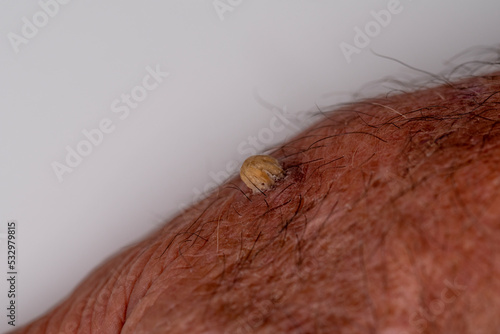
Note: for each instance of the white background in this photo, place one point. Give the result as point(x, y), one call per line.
point(221, 66)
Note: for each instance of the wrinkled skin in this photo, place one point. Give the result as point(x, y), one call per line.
point(387, 221)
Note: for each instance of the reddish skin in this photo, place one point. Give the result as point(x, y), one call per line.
point(387, 222)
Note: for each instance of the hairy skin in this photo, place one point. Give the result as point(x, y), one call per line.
point(387, 221)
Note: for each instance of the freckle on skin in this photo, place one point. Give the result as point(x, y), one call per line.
point(260, 172)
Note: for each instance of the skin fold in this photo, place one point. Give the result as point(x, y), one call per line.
point(387, 221)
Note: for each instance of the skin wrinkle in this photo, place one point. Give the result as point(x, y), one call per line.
point(377, 214)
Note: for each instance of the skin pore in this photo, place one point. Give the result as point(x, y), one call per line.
point(387, 221)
